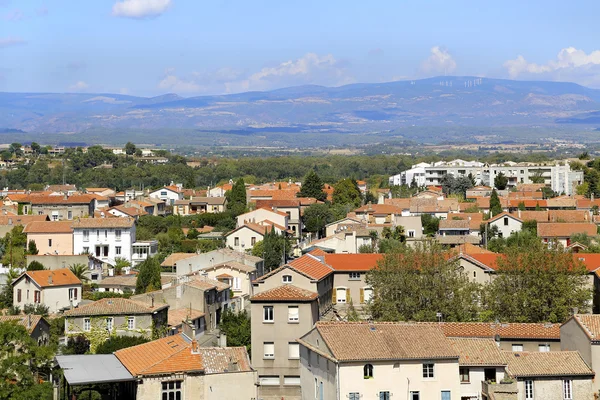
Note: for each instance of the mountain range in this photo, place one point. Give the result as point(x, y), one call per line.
point(357, 108)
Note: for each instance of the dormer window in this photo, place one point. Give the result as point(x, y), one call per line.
point(287, 279)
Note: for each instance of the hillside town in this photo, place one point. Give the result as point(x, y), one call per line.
point(456, 280)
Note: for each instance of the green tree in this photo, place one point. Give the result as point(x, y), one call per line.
point(148, 278)
point(6, 155)
point(120, 264)
point(346, 191)
point(15, 148)
point(35, 266)
point(6, 293)
point(271, 249)
point(521, 206)
point(193, 233)
point(500, 181)
point(22, 362)
point(416, 283)
point(530, 225)
point(130, 148)
point(312, 187)
point(79, 344)
point(236, 326)
point(236, 198)
point(430, 224)
point(537, 177)
point(32, 248)
point(35, 148)
point(81, 271)
point(316, 217)
point(535, 283)
point(495, 206)
point(115, 343)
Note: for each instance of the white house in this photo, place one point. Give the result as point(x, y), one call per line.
point(168, 194)
point(56, 289)
point(264, 214)
point(506, 224)
point(246, 236)
point(105, 238)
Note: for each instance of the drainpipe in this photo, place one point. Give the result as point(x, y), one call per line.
point(337, 378)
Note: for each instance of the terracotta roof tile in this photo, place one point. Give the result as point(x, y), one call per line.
point(173, 258)
point(21, 219)
point(114, 306)
point(539, 216)
point(475, 219)
point(400, 203)
point(349, 341)
point(219, 360)
point(119, 280)
point(311, 266)
point(505, 330)
point(352, 262)
point(28, 321)
point(545, 364)
point(285, 293)
point(49, 227)
point(565, 229)
point(502, 215)
point(176, 316)
point(530, 187)
point(477, 351)
point(51, 278)
point(529, 203)
point(285, 203)
point(379, 209)
point(461, 224)
point(590, 324)
point(561, 202)
point(569, 216)
point(91, 223)
point(203, 283)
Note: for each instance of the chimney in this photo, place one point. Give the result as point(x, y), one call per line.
point(195, 346)
point(152, 297)
point(222, 340)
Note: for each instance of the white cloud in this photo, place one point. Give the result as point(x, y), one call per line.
point(439, 61)
point(79, 86)
point(173, 83)
point(140, 8)
point(571, 64)
point(11, 41)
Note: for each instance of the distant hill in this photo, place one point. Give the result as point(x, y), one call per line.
point(356, 108)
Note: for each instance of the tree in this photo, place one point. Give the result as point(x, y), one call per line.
point(120, 264)
point(537, 177)
point(366, 248)
point(416, 283)
point(457, 186)
point(81, 271)
point(35, 266)
point(15, 148)
point(6, 155)
point(312, 187)
point(130, 148)
point(535, 283)
point(346, 191)
point(148, 278)
point(236, 326)
point(495, 206)
point(316, 216)
point(271, 249)
point(236, 197)
point(32, 248)
point(472, 179)
point(35, 148)
point(115, 343)
point(430, 224)
point(521, 206)
point(79, 344)
point(500, 181)
point(22, 364)
point(530, 225)
point(193, 233)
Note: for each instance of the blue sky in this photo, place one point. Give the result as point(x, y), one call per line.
point(194, 47)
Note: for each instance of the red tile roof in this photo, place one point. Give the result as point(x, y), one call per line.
point(529, 203)
point(353, 262)
point(49, 227)
point(505, 330)
point(477, 352)
point(114, 306)
point(311, 267)
point(590, 324)
point(379, 209)
point(177, 316)
point(558, 364)
point(502, 215)
point(51, 278)
point(554, 230)
point(285, 293)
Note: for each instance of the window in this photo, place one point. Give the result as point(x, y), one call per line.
point(236, 241)
point(287, 279)
point(18, 295)
point(354, 275)
point(109, 324)
point(505, 221)
point(368, 371)
point(269, 380)
point(49, 242)
point(293, 315)
point(268, 314)
point(517, 347)
point(86, 236)
point(163, 193)
point(86, 250)
point(293, 351)
point(415, 396)
point(118, 250)
point(384, 395)
point(291, 380)
point(354, 396)
point(87, 324)
point(253, 240)
point(237, 283)
point(568, 389)
point(464, 375)
point(98, 233)
point(130, 322)
point(106, 234)
point(446, 395)
point(36, 296)
point(428, 370)
point(73, 294)
point(117, 234)
point(543, 348)
point(69, 214)
point(316, 388)
point(528, 390)
point(268, 350)
point(171, 390)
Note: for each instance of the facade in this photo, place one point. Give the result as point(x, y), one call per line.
point(117, 317)
point(506, 224)
point(59, 208)
point(168, 194)
point(36, 325)
point(293, 209)
point(561, 232)
point(200, 205)
point(58, 289)
point(349, 283)
point(142, 250)
point(238, 276)
point(346, 241)
point(246, 236)
point(181, 264)
point(342, 360)
point(51, 237)
point(582, 333)
point(105, 238)
point(259, 215)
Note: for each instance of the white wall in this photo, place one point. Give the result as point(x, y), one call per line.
point(54, 298)
point(244, 236)
point(106, 237)
point(513, 226)
point(260, 215)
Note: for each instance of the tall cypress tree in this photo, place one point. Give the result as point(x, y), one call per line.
point(312, 187)
point(495, 206)
point(236, 197)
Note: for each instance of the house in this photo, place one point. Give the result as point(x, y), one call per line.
point(247, 235)
point(386, 360)
point(176, 367)
point(105, 192)
point(179, 317)
point(219, 191)
point(8, 222)
point(124, 211)
point(168, 194)
point(51, 237)
point(142, 250)
point(561, 232)
point(259, 215)
point(60, 208)
point(454, 227)
point(118, 284)
point(581, 333)
point(105, 238)
point(58, 289)
point(413, 226)
point(349, 283)
point(61, 189)
point(58, 261)
point(293, 209)
point(480, 361)
point(118, 317)
point(552, 375)
point(238, 276)
point(505, 223)
point(181, 264)
point(335, 227)
point(200, 205)
point(36, 325)
point(377, 213)
point(346, 241)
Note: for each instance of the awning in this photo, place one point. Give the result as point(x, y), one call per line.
point(93, 368)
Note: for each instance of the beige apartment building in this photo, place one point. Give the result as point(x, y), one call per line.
point(51, 237)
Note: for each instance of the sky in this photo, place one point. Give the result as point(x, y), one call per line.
point(198, 47)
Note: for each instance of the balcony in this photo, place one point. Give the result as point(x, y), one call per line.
point(493, 391)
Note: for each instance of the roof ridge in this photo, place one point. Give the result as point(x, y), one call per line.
point(163, 360)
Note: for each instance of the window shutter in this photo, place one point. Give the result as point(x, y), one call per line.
point(362, 295)
point(19, 295)
point(75, 294)
point(333, 295)
point(348, 295)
